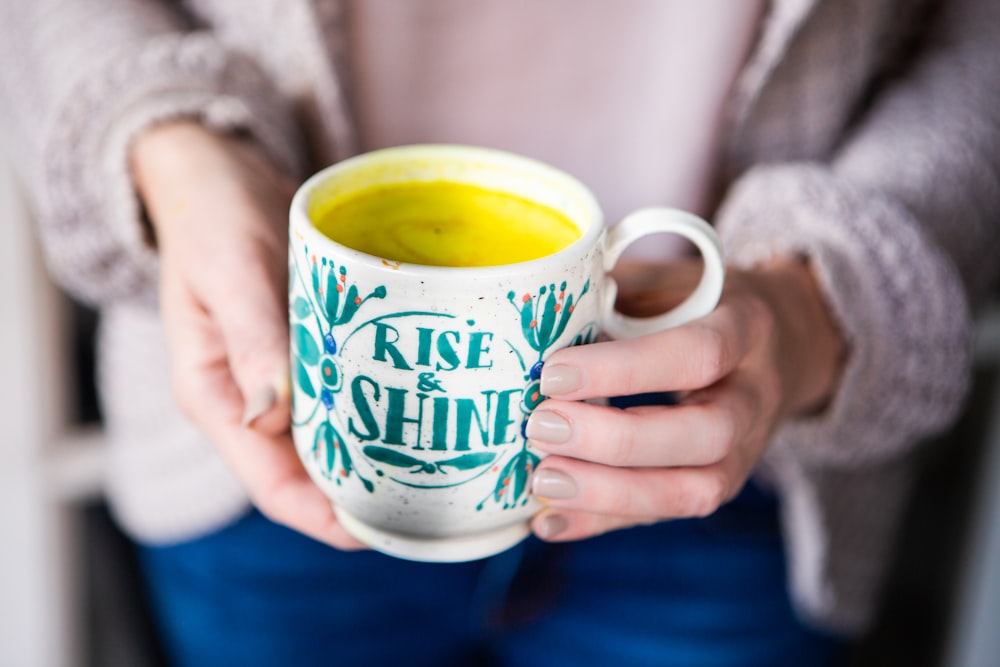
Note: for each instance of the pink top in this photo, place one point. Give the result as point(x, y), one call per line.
point(626, 96)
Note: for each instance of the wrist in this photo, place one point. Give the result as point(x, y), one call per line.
point(811, 348)
point(163, 149)
point(163, 160)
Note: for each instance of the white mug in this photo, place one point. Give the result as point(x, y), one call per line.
point(412, 384)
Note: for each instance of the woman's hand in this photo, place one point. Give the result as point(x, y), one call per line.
point(769, 350)
point(219, 212)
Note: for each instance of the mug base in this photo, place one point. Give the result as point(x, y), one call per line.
point(433, 550)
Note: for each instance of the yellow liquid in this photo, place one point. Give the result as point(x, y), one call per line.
point(445, 224)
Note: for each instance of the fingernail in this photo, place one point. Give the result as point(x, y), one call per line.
point(560, 380)
point(553, 484)
point(550, 525)
point(260, 402)
point(548, 426)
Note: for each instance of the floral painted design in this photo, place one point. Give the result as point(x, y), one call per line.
point(328, 301)
point(324, 309)
point(544, 318)
point(511, 489)
point(398, 459)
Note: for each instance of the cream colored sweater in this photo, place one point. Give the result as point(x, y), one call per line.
point(861, 133)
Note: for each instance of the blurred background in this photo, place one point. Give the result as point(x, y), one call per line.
point(68, 588)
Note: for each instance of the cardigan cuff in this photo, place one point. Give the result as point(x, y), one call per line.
point(90, 212)
point(909, 347)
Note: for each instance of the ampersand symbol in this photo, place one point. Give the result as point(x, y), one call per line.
point(427, 382)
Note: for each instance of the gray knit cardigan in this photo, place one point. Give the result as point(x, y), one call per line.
point(861, 133)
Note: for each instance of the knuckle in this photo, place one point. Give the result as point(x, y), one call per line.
point(242, 358)
point(710, 496)
point(270, 508)
point(273, 500)
point(722, 434)
point(717, 432)
point(629, 372)
point(258, 352)
point(631, 380)
point(696, 495)
point(625, 446)
point(713, 358)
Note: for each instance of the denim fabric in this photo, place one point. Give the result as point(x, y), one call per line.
point(696, 592)
point(690, 592)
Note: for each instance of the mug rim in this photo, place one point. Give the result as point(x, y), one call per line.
point(300, 221)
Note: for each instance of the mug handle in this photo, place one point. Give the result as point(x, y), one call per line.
point(659, 221)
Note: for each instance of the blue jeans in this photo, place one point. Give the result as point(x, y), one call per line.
point(688, 592)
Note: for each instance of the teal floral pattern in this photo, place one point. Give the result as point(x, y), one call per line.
point(328, 301)
point(544, 316)
point(324, 308)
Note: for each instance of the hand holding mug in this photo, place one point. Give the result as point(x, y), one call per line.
point(418, 341)
point(769, 350)
point(219, 212)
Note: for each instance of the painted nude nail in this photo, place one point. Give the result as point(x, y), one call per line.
point(553, 484)
point(548, 426)
point(550, 525)
point(558, 380)
point(261, 401)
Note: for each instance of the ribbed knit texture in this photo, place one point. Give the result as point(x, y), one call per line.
point(895, 204)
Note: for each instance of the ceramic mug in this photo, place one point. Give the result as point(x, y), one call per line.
point(412, 384)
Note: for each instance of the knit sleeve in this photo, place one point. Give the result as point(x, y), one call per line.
point(896, 297)
point(80, 81)
point(902, 231)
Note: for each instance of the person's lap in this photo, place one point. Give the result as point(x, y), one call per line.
point(260, 594)
point(692, 592)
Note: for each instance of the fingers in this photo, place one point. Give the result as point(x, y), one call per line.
point(270, 471)
point(692, 356)
point(278, 485)
point(663, 493)
point(700, 433)
point(198, 363)
point(609, 468)
point(584, 499)
point(637, 498)
point(218, 208)
point(249, 306)
point(618, 468)
point(267, 466)
point(555, 525)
